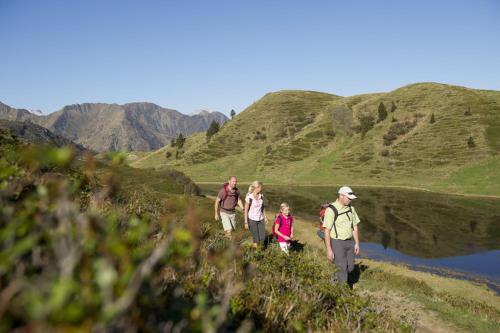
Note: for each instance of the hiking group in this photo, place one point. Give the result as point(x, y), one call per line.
point(338, 223)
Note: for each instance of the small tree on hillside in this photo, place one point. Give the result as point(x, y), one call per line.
point(433, 119)
point(382, 112)
point(180, 141)
point(366, 123)
point(393, 107)
point(172, 142)
point(470, 142)
point(468, 112)
point(214, 128)
point(233, 113)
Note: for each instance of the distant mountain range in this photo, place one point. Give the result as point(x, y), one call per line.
point(110, 127)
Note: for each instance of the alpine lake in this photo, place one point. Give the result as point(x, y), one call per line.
point(445, 234)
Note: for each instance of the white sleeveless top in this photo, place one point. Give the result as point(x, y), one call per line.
point(255, 210)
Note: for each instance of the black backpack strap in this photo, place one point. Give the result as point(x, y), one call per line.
point(251, 200)
point(337, 215)
point(281, 222)
point(349, 217)
point(262, 207)
point(336, 212)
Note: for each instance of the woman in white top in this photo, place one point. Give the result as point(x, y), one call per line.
point(255, 212)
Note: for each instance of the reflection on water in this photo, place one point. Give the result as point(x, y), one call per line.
point(414, 223)
point(483, 266)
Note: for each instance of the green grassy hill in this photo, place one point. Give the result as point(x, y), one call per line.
point(435, 136)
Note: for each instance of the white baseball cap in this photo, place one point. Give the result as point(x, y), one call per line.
point(347, 191)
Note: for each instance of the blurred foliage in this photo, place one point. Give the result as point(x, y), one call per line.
point(81, 252)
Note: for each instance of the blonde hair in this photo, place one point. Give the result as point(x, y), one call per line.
point(253, 186)
point(283, 206)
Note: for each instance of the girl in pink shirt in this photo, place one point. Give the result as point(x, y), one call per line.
point(283, 227)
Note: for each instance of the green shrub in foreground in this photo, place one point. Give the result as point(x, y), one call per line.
point(79, 254)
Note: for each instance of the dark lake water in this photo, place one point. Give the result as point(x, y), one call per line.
point(425, 230)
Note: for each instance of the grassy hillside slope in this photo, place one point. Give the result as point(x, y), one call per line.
point(435, 136)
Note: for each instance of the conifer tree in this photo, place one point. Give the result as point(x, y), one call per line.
point(382, 112)
point(214, 128)
point(180, 141)
point(393, 107)
point(470, 142)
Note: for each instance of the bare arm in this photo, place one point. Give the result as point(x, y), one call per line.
point(240, 204)
point(245, 210)
point(328, 244)
point(329, 251)
point(217, 205)
point(355, 235)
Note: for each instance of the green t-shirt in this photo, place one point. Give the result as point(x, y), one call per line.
point(343, 223)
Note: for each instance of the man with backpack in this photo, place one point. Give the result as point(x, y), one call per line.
point(341, 233)
point(227, 199)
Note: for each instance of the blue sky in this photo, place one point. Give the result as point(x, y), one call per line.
point(225, 55)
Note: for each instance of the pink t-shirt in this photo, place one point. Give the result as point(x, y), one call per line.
point(286, 226)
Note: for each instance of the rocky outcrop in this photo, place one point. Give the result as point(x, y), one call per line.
point(32, 133)
point(110, 127)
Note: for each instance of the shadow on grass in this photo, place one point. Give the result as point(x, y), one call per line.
point(353, 277)
point(297, 246)
point(271, 240)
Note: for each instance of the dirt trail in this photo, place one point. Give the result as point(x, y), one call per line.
point(140, 159)
point(412, 188)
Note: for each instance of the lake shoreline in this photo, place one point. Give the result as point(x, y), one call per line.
point(307, 234)
point(309, 237)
